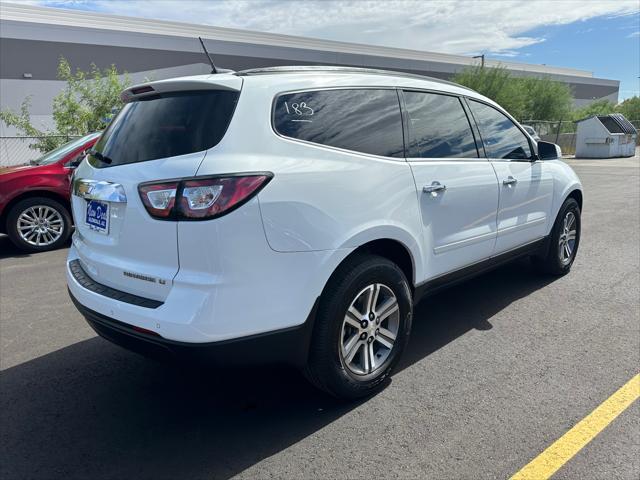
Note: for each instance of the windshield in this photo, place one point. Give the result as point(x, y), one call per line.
point(165, 125)
point(55, 155)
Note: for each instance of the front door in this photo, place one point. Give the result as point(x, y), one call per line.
point(457, 189)
point(526, 187)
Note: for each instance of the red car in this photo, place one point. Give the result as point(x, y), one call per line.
point(35, 210)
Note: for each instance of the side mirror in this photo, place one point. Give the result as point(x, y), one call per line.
point(549, 151)
point(73, 163)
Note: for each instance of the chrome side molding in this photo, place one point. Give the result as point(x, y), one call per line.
point(99, 190)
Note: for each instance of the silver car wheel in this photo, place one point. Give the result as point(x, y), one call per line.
point(369, 329)
point(567, 240)
point(40, 225)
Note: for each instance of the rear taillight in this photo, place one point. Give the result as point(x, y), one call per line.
point(159, 198)
point(200, 198)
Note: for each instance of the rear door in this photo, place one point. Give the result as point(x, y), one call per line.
point(457, 189)
point(163, 134)
point(526, 186)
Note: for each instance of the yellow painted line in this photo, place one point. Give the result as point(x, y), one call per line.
point(563, 449)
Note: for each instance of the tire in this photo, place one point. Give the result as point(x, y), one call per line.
point(55, 224)
point(328, 366)
point(557, 262)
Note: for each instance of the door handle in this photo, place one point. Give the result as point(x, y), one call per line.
point(509, 181)
point(434, 188)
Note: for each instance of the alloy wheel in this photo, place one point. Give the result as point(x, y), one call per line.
point(567, 240)
point(369, 329)
point(40, 225)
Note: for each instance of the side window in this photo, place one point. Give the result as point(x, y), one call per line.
point(438, 127)
point(502, 139)
point(362, 120)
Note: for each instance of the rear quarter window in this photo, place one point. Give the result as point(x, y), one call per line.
point(362, 120)
point(166, 125)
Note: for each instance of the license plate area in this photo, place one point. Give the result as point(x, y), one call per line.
point(97, 216)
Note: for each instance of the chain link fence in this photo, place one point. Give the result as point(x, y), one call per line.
point(17, 151)
point(560, 132)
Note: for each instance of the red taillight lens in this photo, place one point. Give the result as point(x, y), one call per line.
point(213, 197)
point(145, 331)
point(201, 198)
point(159, 198)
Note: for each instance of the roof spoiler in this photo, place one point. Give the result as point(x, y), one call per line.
point(182, 84)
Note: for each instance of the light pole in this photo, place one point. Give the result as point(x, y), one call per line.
point(482, 59)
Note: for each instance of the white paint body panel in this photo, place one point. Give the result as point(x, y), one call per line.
point(459, 223)
point(261, 267)
point(136, 242)
point(230, 283)
point(565, 181)
point(525, 206)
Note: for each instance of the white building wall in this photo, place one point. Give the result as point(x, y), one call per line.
point(42, 93)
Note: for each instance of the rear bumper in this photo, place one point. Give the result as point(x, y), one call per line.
point(289, 346)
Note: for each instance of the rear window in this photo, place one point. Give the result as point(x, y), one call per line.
point(165, 125)
point(362, 120)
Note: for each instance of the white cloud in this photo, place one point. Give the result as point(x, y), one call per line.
point(454, 26)
point(634, 34)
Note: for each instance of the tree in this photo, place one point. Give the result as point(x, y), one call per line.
point(545, 99)
point(630, 108)
point(600, 107)
point(22, 121)
point(84, 106)
point(497, 84)
point(531, 98)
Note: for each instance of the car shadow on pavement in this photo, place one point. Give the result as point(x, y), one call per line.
point(9, 250)
point(93, 410)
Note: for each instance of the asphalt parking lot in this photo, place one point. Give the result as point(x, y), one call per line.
point(497, 369)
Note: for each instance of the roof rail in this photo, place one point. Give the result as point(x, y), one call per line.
point(339, 69)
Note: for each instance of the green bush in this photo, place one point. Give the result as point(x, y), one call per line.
point(630, 108)
point(600, 107)
point(497, 84)
point(528, 98)
point(545, 99)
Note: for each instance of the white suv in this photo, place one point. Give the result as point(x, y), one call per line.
point(298, 214)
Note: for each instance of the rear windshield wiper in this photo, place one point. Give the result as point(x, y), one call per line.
point(101, 157)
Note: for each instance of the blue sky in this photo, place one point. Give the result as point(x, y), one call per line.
point(602, 36)
point(609, 47)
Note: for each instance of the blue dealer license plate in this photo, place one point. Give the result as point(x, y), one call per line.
point(98, 216)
